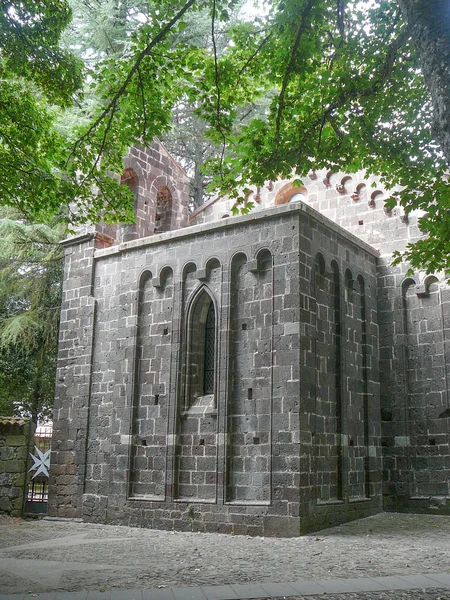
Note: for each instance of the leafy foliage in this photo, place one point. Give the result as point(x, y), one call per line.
point(30, 297)
point(34, 72)
point(349, 95)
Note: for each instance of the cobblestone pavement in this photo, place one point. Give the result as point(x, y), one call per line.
point(435, 594)
point(46, 555)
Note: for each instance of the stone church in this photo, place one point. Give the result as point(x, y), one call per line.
point(262, 374)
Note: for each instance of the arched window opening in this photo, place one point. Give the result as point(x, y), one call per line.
point(209, 356)
point(163, 209)
point(125, 233)
point(201, 352)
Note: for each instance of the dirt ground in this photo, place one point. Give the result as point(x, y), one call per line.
point(47, 555)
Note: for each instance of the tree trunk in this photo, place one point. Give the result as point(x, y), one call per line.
point(429, 24)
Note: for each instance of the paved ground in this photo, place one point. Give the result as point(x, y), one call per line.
point(51, 558)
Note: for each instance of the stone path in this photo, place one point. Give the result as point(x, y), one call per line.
point(415, 587)
point(378, 558)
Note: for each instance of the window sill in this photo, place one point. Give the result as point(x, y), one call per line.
point(199, 410)
point(203, 405)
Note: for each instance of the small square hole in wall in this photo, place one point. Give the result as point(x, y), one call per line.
point(360, 222)
point(144, 442)
point(250, 393)
point(201, 442)
point(432, 442)
point(351, 443)
point(256, 440)
point(156, 399)
point(165, 330)
point(244, 326)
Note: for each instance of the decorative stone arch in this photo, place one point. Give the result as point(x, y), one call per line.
point(405, 285)
point(145, 276)
point(264, 259)
point(164, 273)
point(201, 348)
point(349, 287)
point(135, 177)
point(288, 192)
point(360, 191)
point(338, 353)
point(239, 257)
point(345, 184)
point(163, 209)
point(144, 282)
point(428, 281)
point(165, 202)
point(210, 272)
point(189, 267)
point(320, 263)
point(349, 280)
point(407, 282)
point(212, 263)
point(374, 196)
point(327, 179)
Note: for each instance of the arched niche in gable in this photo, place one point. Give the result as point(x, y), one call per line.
point(130, 179)
point(291, 193)
point(163, 213)
point(134, 177)
point(168, 209)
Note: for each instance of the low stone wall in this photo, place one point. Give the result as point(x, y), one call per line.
point(14, 435)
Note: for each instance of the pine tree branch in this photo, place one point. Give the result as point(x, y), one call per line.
point(122, 89)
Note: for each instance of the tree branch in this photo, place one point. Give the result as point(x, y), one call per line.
point(287, 75)
point(385, 73)
point(217, 84)
point(122, 89)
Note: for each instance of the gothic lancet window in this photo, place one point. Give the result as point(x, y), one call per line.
point(200, 354)
point(209, 346)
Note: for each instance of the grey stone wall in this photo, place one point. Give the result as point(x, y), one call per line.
point(73, 382)
point(14, 441)
point(308, 392)
point(413, 337)
point(415, 411)
point(277, 449)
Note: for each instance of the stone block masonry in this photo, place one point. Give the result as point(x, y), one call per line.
point(267, 374)
point(14, 441)
point(272, 448)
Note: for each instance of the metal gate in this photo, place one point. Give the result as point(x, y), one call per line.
point(38, 465)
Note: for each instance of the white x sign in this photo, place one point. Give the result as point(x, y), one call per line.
point(41, 463)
